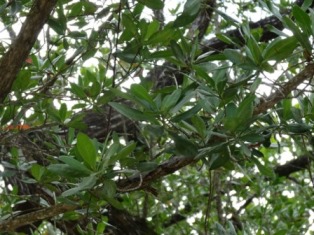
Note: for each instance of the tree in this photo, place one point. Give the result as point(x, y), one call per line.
point(116, 120)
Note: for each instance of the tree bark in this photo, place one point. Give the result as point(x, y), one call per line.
point(12, 61)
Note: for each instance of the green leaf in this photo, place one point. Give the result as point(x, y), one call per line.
point(245, 149)
point(266, 171)
point(76, 165)
point(231, 20)
point(87, 150)
point(187, 96)
point(128, 57)
point(281, 232)
point(189, 14)
point(217, 160)
point(37, 171)
point(225, 38)
point(301, 37)
point(177, 51)
point(238, 118)
point(65, 170)
point(63, 112)
point(245, 110)
point(187, 114)
point(255, 50)
point(101, 226)
point(22, 80)
point(312, 20)
point(87, 183)
point(234, 56)
point(298, 128)
point(75, 9)
point(184, 146)
point(303, 20)
point(231, 230)
point(257, 153)
point(131, 113)
point(57, 25)
point(153, 4)
point(230, 121)
point(89, 7)
point(128, 23)
point(141, 94)
point(220, 229)
point(78, 91)
point(170, 100)
point(114, 202)
point(109, 189)
point(239, 59)
point(199, 125)
point(126, 151)
point(152, 28)
point(273, 9)
point(77, 122)
point(252, 138)
point(306, 4)
point(163, 36)
point(147, 166)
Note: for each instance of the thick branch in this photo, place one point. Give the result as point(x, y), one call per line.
point(14, 58)
point(292, 166)
point(285, 89)
point(45, 213)
point(166, 168)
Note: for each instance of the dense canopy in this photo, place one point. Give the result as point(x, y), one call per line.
point(156, 117)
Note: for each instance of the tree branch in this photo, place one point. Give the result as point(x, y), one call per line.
point(13, 60)
point(292, 166)
point(42, 214)
point(285, 89)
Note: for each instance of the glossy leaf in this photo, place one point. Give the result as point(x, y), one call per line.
point(87, 150)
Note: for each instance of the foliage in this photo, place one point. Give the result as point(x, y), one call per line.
point(121, 121)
